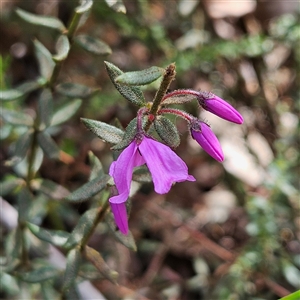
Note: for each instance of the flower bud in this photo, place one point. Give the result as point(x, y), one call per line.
point(219, 107)
point(205, 137)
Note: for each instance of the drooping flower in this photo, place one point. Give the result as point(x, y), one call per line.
point(164, 165)
point(205, 137)
point(219, 107)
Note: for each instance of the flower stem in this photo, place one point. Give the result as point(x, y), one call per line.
point(164, 85)
point(177, 112)
point(181, 92)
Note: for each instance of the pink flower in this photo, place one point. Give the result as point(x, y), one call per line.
point(219, 107)
point(164, 165)
point(205, 137)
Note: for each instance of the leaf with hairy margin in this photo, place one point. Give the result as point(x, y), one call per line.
point(104, 131)
point(132, 93)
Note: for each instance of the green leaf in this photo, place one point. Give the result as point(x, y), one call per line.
point(96, 166)
point(21, 148)
point(39, 275)
point(24, 203)
point(45, 108)
point(132, 93)
point(16, 117)
point(22, 168)
point(128, 136)
point(48, 145)
point(96, 259)
point(104, 131)
point(9, 185)
point(292, 274)
point(117, 5)
point(126, 240)
point(92, 45)
point(74, 90)
point(65, 112)
point(45, 61)
point(62, 48)
point(89, 189)
point(54, 237)
point(293, 296)
point(9, 95)
point(85, 6)
point(72, 293)
point(49, 188)
point(140, 77)
point(72, 268)
point(167, 131)
point(44, 21)
point(83, 227)
point(48, 291)
point(13, 244)
point(19, 91)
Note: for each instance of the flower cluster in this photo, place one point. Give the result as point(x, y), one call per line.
point(164, 165)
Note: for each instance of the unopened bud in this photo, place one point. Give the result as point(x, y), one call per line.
point(205, 137)
point(219, 107)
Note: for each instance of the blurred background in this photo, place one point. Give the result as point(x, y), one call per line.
point(232, 234)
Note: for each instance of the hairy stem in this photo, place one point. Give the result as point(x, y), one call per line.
point(165, 83)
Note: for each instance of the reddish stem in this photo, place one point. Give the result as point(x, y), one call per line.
point(180, 92)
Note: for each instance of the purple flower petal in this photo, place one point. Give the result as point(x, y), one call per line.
point(220, 107)
point(120, 215)
point(121, 170)
point(208, 141)
point(165, 166)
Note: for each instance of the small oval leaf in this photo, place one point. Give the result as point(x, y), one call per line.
point(16, 118)
point(44, 21)
point(19, 91)
point(116, 5)
point(89, 189)
point(92, 45)
point(62, 48)
point(45, 108)
point(48, 145)
point(140, 77)
point(9, 185)
point(97, 260)
point(44, 57)
point(54, 237)
point(127, 240)
point(49, 188)
point(72, 268)
point(96, 166)
point(9, 95)
point(83, 227)
point(104, 131)
point(167, 131)
point(22, 145)
point(25, 201)
point(73, 90)
point(65, 112)
point(132, 93)
point(128, 135)
point(39, 275)
point(85, 6)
